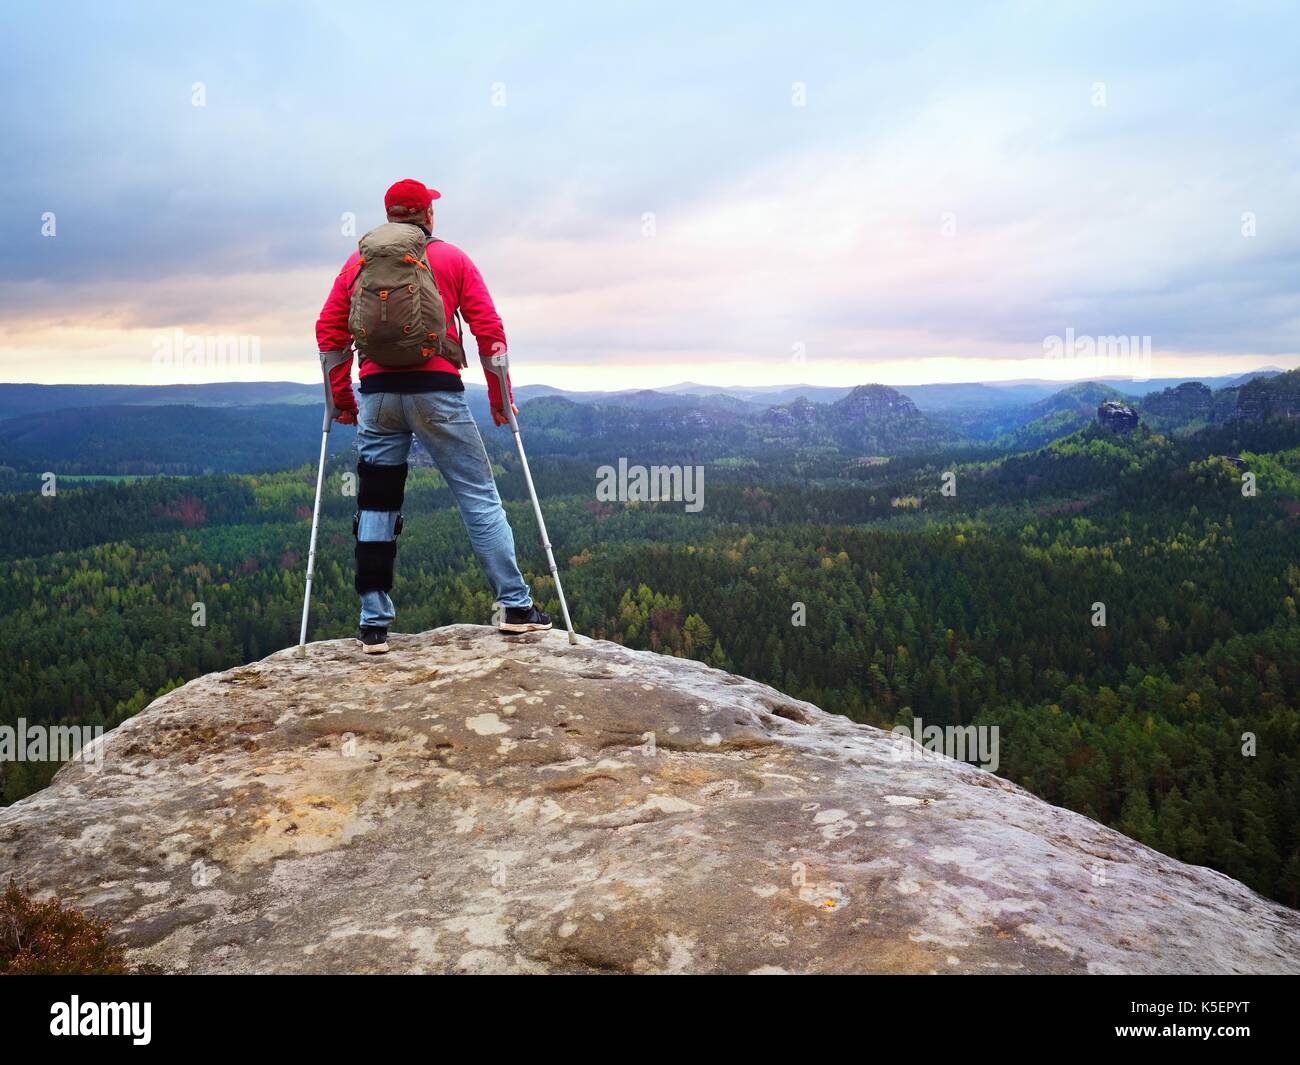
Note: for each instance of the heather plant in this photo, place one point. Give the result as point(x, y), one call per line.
point(50, 939)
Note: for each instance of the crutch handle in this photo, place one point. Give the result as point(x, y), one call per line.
point(329, 360)
point(499, 366)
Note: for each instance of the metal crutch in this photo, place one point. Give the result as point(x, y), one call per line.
point(328, 360)
point(500, 366)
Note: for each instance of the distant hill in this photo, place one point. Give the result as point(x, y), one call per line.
point(236, 427)
point(870, 420)
point(1192, 405)
point(166, 439)
point(875, 418)
point(1183, 406)
point(1133, 388)
point(20, 399)
point(1188, 404)
point(1241, 379)
point(970, 396)
point(1047, 419)
point(1084, 397)
point(763, 395)
point(1268, 398)
point(605, 431)
point(649, 399)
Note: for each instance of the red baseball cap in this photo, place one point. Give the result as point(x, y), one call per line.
point(410, 193)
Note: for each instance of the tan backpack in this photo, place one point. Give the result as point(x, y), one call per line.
point(397, 318)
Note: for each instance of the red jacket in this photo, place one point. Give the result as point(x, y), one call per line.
point(461, 287)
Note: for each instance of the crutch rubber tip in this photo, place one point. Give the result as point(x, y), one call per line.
point(573, 639)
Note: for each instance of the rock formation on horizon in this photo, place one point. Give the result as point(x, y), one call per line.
point(1268, 398)
point(1117, 417)
point(471, 803)
point(1189, 402)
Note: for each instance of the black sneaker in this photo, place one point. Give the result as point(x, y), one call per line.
point(373, 639)
point(524, 619)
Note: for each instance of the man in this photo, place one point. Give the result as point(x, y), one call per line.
point(428, 400)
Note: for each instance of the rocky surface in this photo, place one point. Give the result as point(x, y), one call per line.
point(472, 803)
point(801, 412)
point(1117, 417)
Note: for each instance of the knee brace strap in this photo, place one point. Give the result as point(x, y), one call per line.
point(356, 523)
point(380, 487)
point(375, 565)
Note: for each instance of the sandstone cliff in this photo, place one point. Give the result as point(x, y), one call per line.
point(1117, 417)
point(471, 803)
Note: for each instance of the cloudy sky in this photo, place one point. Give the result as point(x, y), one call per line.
point(729, 193)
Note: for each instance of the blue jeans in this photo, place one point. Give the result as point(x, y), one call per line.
point(442, 421)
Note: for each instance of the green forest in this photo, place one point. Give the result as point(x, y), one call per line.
point(862, 586)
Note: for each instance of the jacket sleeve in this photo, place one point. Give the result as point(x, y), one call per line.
point(481, 316)
point(332, 326)
point(332, 334)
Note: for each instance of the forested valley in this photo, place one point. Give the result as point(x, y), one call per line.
point(954, 584)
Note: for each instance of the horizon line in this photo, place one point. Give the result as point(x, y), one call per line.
point(666, 389)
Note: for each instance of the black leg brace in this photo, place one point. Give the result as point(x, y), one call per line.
point(380, 488)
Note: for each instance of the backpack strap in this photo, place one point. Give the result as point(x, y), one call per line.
point(357, 276)
point(460, 324)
